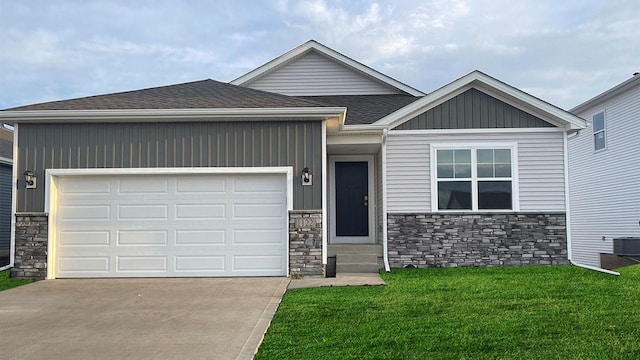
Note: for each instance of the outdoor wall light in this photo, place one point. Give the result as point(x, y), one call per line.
point(307, 177)
point(30, 179)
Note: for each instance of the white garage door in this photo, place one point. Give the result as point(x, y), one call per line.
point(171, 225)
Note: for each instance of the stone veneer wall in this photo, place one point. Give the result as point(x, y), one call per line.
point(305, 243)
point(471, 239)
point(31, 246)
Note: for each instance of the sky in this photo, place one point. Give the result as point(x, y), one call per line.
point(562, 51)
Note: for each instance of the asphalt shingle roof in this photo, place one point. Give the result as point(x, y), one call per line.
point(193, 95)
point(365, 109)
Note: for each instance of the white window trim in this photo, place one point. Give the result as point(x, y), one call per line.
point(515, 187)
point(604, 130)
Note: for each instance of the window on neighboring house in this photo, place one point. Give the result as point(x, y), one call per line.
point(599, 135)
point(474, 178)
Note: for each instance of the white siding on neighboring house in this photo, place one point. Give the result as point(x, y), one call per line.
point(540, 168)
point(315, 74)
point(604, 186)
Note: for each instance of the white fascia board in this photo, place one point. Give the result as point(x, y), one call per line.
point(173, 115)
point(485, 83)
point(354, 139)
point(5, 160)
point(316, 46)
point(360, 130)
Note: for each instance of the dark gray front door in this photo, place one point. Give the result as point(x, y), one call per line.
point(352, 202)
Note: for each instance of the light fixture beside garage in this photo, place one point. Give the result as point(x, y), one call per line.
point(307, 177)
point(30, 179)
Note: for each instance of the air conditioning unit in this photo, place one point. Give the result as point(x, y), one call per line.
point(626, 246)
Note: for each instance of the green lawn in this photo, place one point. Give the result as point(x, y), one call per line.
point(545, 312)
point(8, 283)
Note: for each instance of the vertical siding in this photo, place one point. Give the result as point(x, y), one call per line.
point(315, 74)
point(5, 206)
point(605, 185)
point(196, 144)
point(540, 168)
point(473, 109)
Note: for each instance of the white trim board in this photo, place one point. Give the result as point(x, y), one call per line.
point(174, 115)
point(371, 239)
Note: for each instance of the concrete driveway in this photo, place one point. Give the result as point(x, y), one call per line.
point(138, 318)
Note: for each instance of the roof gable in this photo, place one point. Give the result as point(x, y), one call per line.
point(314, 69)
point(473, 109)
point(489, 85)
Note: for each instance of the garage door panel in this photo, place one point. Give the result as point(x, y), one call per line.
point(267, 184)
point(82, 212)
point(188, 185)
point(258, 237)
point(81, 186)
point(78, 265)
point(141, 263)
point(214, 263)
point(258, 211)
point(85, 238)
point(257, 262)
point(172, 225)
point(138, 185)
point(143, 212)
point(198, 211)
point(200, 237)
point(142, 237)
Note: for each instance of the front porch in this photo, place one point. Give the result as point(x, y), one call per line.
point(354, 199)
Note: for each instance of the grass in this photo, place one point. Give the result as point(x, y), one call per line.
point(8, 283)
point(545, 312)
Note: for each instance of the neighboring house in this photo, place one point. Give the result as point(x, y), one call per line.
point(6, 162)
point(309, 159)
point(604, 172)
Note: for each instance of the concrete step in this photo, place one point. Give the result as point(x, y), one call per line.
point(357, 263)
point(334, 249)
point(357, 268)
point(356, 258)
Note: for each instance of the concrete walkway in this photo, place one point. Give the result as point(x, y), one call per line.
point(138, 318)
point(339, 280)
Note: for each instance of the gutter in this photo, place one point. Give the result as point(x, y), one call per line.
point(172, 115)
point(385, 247)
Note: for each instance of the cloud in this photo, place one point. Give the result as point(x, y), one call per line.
point(563, 52)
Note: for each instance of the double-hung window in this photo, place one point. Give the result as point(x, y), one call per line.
point(599, 136)
point(474, 178)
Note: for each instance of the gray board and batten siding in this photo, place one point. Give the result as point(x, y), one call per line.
point(473, 109)
point(180, 144)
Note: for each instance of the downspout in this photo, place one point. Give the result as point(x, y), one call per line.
point(568, 212)
point(14, 190)
point(325, 240)
point(385, 255)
